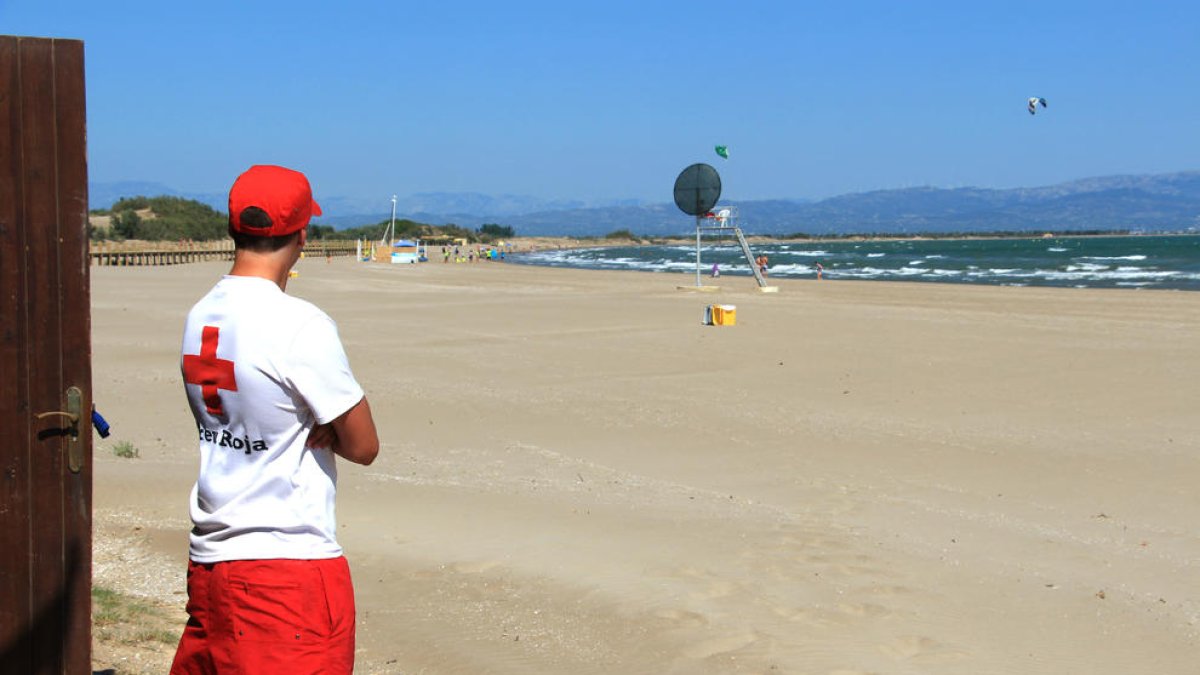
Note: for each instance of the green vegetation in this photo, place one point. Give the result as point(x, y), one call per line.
point(496, 231)
point(405, 229)
point(125, 450)
point(175, 218)
point(622, 234)
point(411, 229)
point(162, 219)
point(324, 232)
point(125, 619)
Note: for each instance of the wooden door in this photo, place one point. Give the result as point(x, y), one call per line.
point(45, 360)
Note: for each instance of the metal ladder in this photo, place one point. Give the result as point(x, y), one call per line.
point(750, 258)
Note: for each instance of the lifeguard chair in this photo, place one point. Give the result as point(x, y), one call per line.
point(697, 190)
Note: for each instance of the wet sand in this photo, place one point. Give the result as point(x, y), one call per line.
point(576, 476)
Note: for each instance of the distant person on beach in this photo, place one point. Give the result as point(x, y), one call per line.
point(716, 271)
point(820, 269)
point(762, 264)
point(275, 403)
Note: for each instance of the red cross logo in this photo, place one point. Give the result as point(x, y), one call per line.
point(211, 373)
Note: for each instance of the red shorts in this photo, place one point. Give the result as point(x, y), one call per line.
point(268, 616)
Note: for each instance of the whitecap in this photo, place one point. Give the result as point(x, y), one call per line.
point(864, 273)
point(788, 269)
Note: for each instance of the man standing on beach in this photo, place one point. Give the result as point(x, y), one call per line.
point(274, 401)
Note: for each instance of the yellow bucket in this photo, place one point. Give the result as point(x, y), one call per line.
point(720, 315)
point(724, 315)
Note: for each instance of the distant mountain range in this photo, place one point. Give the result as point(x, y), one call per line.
point(1159, 202)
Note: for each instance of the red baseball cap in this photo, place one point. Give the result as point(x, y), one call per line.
point(270, 201)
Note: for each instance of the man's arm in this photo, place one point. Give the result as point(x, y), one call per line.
point(357, 439)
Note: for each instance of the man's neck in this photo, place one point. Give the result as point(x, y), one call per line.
point(271, 266)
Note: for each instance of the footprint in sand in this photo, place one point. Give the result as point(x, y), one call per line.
point(478, 567)
point(864, 610)
point(885, 590)
point(809, 616)
point(683, 618)
point(922, 649)
point(714, 586)
point(840, 566)
point(715, 589)
point(719, 645)
point(845, 614)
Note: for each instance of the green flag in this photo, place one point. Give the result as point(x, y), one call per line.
point(723, 151)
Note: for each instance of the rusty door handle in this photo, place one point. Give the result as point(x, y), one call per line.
point(71, 416)
point(72, 413)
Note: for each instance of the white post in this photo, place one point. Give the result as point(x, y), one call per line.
point(392, 227)
point(698, 219)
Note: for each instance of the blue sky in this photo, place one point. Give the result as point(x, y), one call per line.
point(607, 101)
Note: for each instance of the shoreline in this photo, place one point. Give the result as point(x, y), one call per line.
point(600, 241)
point(1140, 263)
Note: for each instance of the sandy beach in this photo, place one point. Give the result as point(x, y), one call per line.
point(578, 477)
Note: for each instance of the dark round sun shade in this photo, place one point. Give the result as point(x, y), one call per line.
point(697, 189)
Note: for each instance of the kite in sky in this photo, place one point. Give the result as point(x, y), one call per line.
point(1033, 104)
point(723, 151)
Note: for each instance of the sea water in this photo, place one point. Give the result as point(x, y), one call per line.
point(1159, 261)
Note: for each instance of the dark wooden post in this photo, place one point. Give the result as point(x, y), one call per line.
point(45, 360)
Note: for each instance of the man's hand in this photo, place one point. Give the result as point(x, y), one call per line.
point(322, 436)
point(351, 436)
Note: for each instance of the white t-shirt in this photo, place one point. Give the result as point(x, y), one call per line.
point(261, 369)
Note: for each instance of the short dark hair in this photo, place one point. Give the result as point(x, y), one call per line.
point(255, 218)
point(249, 242)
